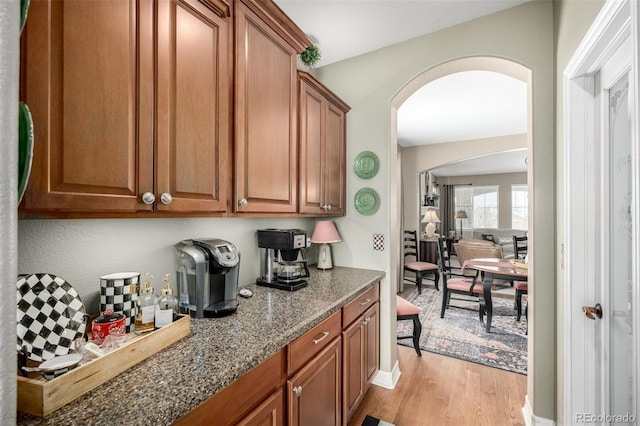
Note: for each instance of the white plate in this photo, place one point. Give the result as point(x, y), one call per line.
point(50, 316)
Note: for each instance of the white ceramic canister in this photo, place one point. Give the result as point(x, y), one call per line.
point(119, 292)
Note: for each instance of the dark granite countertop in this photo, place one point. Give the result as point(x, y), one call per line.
point(169, 384)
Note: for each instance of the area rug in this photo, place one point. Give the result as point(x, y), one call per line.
point(460, 334)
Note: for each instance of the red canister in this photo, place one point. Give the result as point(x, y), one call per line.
point(109, 323)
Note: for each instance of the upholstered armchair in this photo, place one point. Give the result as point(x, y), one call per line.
point(474, 249)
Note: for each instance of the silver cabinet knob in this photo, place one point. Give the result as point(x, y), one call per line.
point(297, 390)
point(243, 202)
point(166, 198)
point(148, 198)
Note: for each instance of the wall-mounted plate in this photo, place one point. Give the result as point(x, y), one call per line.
point(24, 8)
point(25, 148)
point(366, 165)
point(366, 201)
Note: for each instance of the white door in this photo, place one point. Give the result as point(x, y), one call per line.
point(601, 244)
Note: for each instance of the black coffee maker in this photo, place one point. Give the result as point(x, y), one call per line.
point(283, 258)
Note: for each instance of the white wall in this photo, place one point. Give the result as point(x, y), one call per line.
point(423, 158)
point(372, 83)
point(81, 251)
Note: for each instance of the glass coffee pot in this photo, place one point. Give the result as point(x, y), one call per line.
point(292, 266)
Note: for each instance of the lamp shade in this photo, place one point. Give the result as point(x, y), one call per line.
point(461, 214)
point(430, 217)
point(325, 232)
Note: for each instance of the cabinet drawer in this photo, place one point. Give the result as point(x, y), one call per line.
point(356, 307)
point(312, 342)
point(238, 399)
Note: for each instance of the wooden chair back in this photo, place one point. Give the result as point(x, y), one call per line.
point(411, 247)
point(520, 246)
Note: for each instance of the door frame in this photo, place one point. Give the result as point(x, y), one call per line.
point(616, 21)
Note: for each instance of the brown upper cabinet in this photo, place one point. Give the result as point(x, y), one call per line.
point(131, 112)
point(169, 108)
point(266, 104)
point(322, 130)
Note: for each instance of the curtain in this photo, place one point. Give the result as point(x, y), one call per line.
point(448, 209)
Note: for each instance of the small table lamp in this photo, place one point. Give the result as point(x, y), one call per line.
point(430, 218)
point(324, 233)
point(461, 214)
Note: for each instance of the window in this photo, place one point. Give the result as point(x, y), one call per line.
point(519, 207)
point(481, 205)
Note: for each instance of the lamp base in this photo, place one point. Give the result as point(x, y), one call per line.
point(431, 230)
point(324, 257)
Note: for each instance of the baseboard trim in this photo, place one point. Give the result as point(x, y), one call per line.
point(388, 379)
point(530, 419)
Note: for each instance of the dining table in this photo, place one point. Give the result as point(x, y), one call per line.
point(493, 269)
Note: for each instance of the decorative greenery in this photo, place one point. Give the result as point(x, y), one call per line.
point(311, 55)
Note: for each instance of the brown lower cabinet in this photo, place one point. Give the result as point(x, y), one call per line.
point(314, 393)
point(318, 379)
point(361, 349)
point(270, 412)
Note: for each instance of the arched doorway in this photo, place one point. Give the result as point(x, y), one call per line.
point(495, 64)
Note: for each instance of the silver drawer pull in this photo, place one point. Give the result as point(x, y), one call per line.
point(366, 302)
point(324, 336)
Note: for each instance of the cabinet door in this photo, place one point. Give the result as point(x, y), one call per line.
point(193, 151)
point(87, 77)
point(265, 117)
point(314, 393)
point(372, 342)
point(269, 413)
point(334, 160)
point(322, 130)
point(354, 362)
point(311, 150)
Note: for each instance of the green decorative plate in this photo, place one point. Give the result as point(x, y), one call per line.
point(366, 165)
point(25, 148)
point(24, 8)
point(366, 201)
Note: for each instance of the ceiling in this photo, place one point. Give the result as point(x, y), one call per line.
point(462, 106)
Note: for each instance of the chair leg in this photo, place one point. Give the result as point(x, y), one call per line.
point(518, 305)
point(436, 279)
point(445, 301)
point(417, 331)
point(419, 281)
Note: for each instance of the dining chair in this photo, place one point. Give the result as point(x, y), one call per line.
point(519, 246)
point(522, 288)
point(406, 310)
point(419, 268)
point(454, 282)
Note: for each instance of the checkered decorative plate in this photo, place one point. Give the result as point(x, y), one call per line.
point(50, 315)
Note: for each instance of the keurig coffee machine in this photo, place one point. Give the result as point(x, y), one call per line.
point(283, 258)
point(207, 273)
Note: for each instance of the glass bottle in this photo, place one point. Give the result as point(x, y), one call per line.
point(167, 305)
point(145, 317)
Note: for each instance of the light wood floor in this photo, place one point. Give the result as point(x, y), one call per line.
point(438, 390)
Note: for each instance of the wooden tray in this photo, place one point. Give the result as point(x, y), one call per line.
point(40, 397)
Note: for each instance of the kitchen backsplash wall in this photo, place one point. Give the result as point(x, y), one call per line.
point(81, 251)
